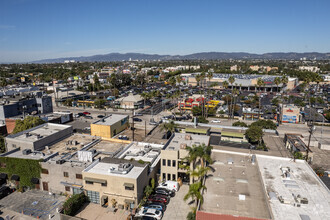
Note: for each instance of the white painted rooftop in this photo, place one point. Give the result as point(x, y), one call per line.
point(39, 132)
point(111, 119)
point(103, 169)
point(301, 181)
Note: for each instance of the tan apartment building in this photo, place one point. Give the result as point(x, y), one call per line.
point(109, 126)
point(112, 179)
point(174, 153)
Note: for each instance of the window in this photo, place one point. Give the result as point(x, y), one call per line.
point(173, 163)
point(89, 182)
point(168, 176)
point(164, 162)
point(173, 177)
point(78, 176)
point(164, 176)
point(103, 184)
point(14, 145)
point(44, 171)
point(67, 188)
point(93, 196)
point(169, 163)
point(65, 174)
point(129, 187)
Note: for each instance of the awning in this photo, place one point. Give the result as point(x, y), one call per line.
point(14, 177)
point(3, 175)
point(34, 180)
point(129, 184)
point(72, 185)
point(95, 180)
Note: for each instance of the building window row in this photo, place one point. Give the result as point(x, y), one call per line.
point(169, 164)
point(169, 177)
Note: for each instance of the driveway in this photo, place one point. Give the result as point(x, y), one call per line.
point(96, 212)
point(177, 209)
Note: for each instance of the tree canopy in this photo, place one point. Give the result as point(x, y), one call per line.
point(27, 123)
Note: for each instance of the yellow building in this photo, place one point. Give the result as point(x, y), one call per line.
point(109, 126)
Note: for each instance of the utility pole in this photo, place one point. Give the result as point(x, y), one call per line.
point(145, 128)
point(133, 125)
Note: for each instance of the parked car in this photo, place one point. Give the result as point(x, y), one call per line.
point(156, 214)
point(123, 137)
point(138, 114)
point(161, 191)
point(216, 121)
point(100, 116)
point(156, 205)
point(81, 114)
point(137, 119)
point(88, 117)
point(158, 198)
point(86, 113)
point(165, 191)
point(77, 115)
point(171, 185)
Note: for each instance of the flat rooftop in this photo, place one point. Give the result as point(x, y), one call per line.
point(235, 187)
point(106, 164)
point(142, 151)
point(111, 119)
point(188, 139)
point(39, 132)
point(70, 144)
point(300, 180)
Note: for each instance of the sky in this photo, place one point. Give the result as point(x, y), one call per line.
point(39, 29)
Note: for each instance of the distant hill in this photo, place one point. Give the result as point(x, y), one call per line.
point(194, 56)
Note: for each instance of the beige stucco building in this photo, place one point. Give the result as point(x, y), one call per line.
point(109, 126)
point(115, 179)
point(174, 153)
point(129, 102)
point(290, 114)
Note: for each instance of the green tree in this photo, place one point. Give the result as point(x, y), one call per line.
point(196, 110)
point(195, 192)
point(99, 103)
point(27, 123)
point(171, 126)
point(265, 124)
point(2, 144)
point(74, 203)
point(277, 82)
point(240, 124)
point(254, 134)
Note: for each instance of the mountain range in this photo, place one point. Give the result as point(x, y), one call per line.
point(194, 56)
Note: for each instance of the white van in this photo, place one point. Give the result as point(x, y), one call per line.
point(171, 185)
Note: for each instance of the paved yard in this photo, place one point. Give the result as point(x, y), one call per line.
point(97, 212)
point(178, 209)
point(34, 203)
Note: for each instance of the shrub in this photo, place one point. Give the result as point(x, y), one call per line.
point(240, 124)
point(74, 203)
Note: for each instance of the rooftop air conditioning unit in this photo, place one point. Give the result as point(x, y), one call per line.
point(26, 151)
point(183, 146)
point(187, 137)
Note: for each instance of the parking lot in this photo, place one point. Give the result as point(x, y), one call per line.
point(33, 203)
point(177, 208)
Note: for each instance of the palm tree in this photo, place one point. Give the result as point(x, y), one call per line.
point(171, 127)
point(231, 80)
point(225, 84)
point(260, 82)
point(209, 76)
point(195, 192)
point(277, 82)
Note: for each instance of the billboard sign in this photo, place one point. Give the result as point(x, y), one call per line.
point(289, 119)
